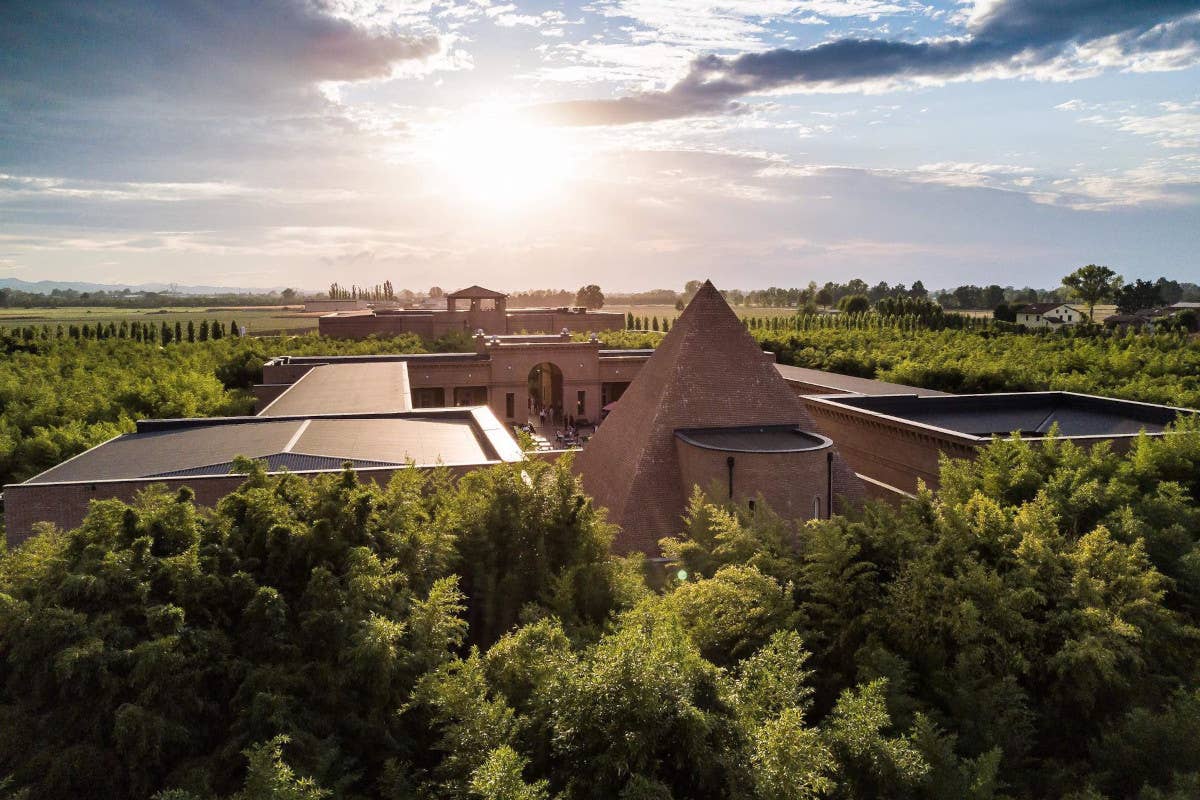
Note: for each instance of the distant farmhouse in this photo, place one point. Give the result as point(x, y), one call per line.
point(1049, 315)
point(1147, 319)
point(467, 311)
point(707, 408)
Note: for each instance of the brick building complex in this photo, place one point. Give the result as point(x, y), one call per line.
point(708, 408)
point(467, 311)
point(512, 375)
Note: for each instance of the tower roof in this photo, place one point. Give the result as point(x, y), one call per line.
point(707, 372)
point(476, 292)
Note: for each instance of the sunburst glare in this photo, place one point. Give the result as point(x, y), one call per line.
point(496, 158)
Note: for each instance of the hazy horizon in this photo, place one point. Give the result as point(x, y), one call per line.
point(635, 144)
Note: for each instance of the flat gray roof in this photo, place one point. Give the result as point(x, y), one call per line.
point(753, 439)
point(381, 358)
point(357, 388)
point(197, 447)
point(850, 384)
point(1029, 413)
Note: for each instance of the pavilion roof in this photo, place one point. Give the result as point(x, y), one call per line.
point(476, 292)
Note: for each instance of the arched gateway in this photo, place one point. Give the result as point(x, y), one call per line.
point(546, 390)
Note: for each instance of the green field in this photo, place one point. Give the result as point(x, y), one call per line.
point(257, 320)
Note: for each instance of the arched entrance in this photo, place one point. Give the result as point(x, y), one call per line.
point(546, 392)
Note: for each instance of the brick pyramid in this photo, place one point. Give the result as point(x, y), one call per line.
point(707, 372)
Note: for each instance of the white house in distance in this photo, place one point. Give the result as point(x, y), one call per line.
point(1049, 315)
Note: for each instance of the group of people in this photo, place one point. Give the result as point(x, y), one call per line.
point(569, 437)
point(549, 414)
point(567, 429)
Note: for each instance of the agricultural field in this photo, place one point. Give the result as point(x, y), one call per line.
point(258, 320)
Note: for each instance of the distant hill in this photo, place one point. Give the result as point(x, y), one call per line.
point(46, 287)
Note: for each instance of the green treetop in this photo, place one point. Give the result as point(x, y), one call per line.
point(1091, 284)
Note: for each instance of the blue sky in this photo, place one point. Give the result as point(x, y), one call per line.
point(633, 143)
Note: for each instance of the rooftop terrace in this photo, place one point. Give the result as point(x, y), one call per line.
point(197, 447)
point(1032, 414)
point(373, 387)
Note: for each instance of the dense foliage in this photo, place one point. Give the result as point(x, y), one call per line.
point(1031, 630)
point(60, 396)
point(1158, 368)
point(1155, 368)
point(1028, 631)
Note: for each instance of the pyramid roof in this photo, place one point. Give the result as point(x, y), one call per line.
point(476, 292)
point(707, 372)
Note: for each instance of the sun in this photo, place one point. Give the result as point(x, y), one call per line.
point(496, 158)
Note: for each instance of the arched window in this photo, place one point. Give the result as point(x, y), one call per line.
point(816, 507)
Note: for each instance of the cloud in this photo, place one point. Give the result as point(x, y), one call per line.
point(1039, 38)
point(249, 51)
point(31, 188)
point(1173, 125)
point(737, 25)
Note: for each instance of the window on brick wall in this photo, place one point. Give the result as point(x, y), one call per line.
point(581, 401)
point(510, 405)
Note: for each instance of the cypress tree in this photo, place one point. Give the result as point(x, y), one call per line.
point(204, 330)
point(215, 330)
point(165, 334)
point(191, 331)
point(178, 331)
point(654, 324)
point(233, 329)
point(629, 321)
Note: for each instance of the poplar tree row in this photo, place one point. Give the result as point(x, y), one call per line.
point(633, 323)
point(380, 291)
point(165, 333)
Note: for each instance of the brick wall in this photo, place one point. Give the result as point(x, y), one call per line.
point(66, 504)
point(897, 453)
point(267, 393)
point(433, 324)
point(892, 452)
point(788, 482)
point(555, 321)
point(284, 373)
